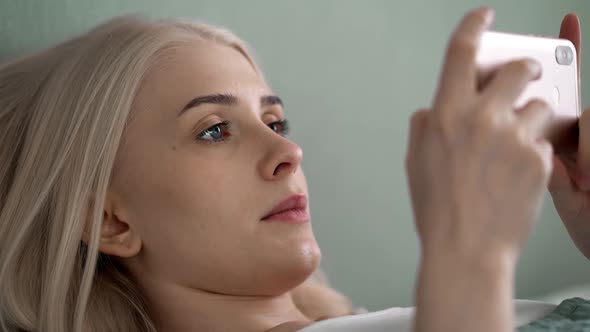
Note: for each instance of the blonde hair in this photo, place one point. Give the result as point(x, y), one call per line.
point(62, 116)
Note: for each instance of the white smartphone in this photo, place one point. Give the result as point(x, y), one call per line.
point(558, 85)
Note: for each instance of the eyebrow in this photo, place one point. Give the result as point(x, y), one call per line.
point(227, 100)
point(270, 101)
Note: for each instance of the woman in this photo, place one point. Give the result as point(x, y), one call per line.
point(147, 184)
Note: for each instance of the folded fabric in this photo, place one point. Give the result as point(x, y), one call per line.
point(572, 315)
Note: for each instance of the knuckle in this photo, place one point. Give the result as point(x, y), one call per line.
point(546, 148)
point(446, 126)
point(521, 68)
point(484, 121)
point(446, 123)
point(462, 45)
point(518, 135)
point(533, 162)
point(515, 140)
point(540, 109)
point(539, 105)
point(417, 119)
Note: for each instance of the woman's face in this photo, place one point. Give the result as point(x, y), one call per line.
point(202, 163)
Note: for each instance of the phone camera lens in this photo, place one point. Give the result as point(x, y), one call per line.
point(564, 55)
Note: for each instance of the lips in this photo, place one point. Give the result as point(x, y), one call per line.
point(292, 209)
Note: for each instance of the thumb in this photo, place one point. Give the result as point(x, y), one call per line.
point(570, 30)
point(582, 177)
point(567, 197)
point(561, 182)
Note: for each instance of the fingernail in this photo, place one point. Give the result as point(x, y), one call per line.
point(535, 67)
point(488, 14)
point(583, 180)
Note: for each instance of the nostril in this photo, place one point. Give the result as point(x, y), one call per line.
point(280, 168)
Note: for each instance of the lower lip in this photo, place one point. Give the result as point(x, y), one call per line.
point(295, 216)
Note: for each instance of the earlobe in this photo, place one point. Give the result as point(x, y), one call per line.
point(124, 248)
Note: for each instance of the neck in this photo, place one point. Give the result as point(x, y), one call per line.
point(178, 308)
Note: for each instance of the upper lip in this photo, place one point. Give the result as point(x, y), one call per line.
point(293, 202)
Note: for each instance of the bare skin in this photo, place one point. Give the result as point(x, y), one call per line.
point(185, 207)
point(570, 183)
point(472, 139)
point(184, 210)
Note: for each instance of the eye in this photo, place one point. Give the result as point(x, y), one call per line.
point(280, 127)
point(216, 133)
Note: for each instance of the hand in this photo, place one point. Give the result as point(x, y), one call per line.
point(477, 169)
point(570, 181)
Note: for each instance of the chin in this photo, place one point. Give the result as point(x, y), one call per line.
point(293, 269)
point(309, 257)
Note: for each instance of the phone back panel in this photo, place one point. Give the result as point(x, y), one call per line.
point(558, 85)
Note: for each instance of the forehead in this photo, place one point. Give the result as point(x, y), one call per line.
point(200, 68)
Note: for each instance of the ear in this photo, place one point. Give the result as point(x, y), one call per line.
point(117, 236)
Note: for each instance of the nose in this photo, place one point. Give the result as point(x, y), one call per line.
point(282, 159)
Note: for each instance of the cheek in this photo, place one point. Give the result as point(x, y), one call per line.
point(180, 199)
point(199, 221)
point(185, 215)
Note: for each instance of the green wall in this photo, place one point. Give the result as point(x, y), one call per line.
point(350, 72)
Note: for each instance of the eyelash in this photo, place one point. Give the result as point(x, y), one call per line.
point(284, 123)
point(226, 125)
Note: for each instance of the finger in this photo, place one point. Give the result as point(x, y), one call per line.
point(417, 127)
point(510, 82)
point(570, 30)
point(415, 137)
point(566, 195)
point(545, 150)
point(535, 117)
point(561, 182)
point(583, 166)
point(459, 73)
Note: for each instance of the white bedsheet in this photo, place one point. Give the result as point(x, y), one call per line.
point(557, 296)
point(400, 319)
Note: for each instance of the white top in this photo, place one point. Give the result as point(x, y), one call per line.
point(400, 319)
